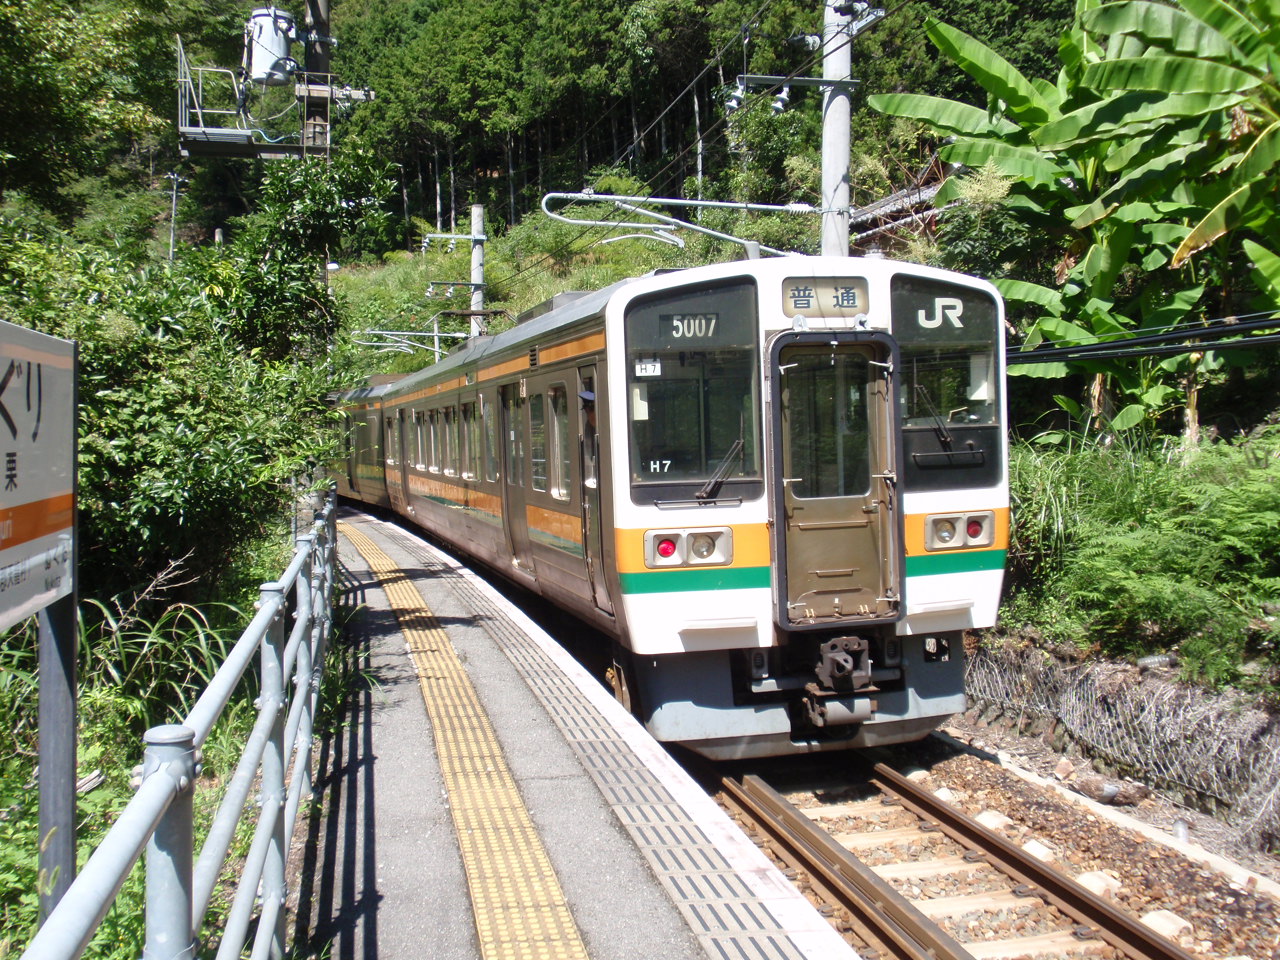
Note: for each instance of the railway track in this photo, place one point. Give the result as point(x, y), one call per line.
point(859, 873)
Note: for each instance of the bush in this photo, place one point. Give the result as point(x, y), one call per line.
point(1150, 549)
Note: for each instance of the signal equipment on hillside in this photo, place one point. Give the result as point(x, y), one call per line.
point(239, 113)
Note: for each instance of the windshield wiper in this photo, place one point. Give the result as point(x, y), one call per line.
point(720, 473)
point(939, 425)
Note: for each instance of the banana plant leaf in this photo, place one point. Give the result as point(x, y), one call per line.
point(996, 75)
point(1132, 112)
point(947, 115)
point(1162, 26)
point(1225, 216)
point(1023, 163)
point(1183, 74)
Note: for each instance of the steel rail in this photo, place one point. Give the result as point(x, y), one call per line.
point(1118, 929)
point(881, 915)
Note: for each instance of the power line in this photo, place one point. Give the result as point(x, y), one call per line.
point(1193, 339)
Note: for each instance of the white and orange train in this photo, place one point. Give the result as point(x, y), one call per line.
point(779, 485)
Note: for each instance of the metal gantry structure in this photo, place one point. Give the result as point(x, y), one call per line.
point(214, 116)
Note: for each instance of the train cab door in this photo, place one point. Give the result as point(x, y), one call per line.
point(589, 471)
point(515, 520)
point(838, 529)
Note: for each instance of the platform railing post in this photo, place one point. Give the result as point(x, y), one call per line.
point(273, 768)
point(170, 751)
point(302, 679)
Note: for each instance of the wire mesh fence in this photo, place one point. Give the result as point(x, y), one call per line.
point(1217, 753)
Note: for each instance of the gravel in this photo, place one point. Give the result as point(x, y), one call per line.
point(1228, 919)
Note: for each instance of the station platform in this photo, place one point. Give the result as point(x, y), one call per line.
point(483, 798)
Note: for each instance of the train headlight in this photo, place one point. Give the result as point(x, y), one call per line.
point(958, 531)
point(685, 548)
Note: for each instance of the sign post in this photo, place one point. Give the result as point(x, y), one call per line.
point(38, 564)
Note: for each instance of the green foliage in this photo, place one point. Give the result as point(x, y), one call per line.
point(1142, 549)
point(1156, 141)
point(69, 75)
point(190, 427)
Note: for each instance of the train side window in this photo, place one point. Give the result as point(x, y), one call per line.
point(419, 441)
point(451, 441)
point(512, 404)
point(559, 464)
point(433, 437)
point(392, 440)
point(537, 442)
point(470, 442)
point(488, 416)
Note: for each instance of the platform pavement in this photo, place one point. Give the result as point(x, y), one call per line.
point(380, 874)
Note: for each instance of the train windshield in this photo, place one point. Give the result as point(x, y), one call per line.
point(693, 394)
point(949, 387)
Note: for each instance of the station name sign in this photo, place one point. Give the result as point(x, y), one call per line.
point(37, 471)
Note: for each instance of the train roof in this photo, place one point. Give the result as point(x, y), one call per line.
point(378, 386)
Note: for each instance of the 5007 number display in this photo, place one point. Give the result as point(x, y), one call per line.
point(689, 326)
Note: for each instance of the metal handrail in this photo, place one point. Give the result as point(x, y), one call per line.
point(277, 757)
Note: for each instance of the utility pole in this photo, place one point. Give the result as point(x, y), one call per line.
point(173, 208)
point(838, 31)
point(477, 267)
point(837, 63)
point(316, 109)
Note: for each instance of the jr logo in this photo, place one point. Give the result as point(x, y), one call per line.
point(944, 308)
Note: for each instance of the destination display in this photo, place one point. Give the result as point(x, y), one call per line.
point(826, 297)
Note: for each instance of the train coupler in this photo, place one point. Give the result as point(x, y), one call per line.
point(833, 710)
point(844, 664)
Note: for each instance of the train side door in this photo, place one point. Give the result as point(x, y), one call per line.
point(838, 528)
point(514, 518)
point(351, 447)
point(403, 423)
point(589, 471)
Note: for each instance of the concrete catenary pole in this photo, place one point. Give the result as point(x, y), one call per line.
point(477, 266)
point(836, 65)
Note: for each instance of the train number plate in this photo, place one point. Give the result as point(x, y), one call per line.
point(648, 368)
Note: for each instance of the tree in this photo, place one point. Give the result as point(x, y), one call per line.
point(1117, 161)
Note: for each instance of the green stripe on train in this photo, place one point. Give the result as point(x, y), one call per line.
point(695, 578)
point(967, 562)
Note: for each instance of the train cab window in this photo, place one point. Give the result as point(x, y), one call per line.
point(558, 398)
point(947, 334)
point(537, 442)
point(693, 394)
point(491, 466)
point(470, 441)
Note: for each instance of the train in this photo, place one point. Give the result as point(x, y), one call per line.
point(778, 487)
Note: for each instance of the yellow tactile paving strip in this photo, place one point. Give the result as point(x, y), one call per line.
point(520, 910)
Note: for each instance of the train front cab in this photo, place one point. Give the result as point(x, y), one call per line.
point(814, 507)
